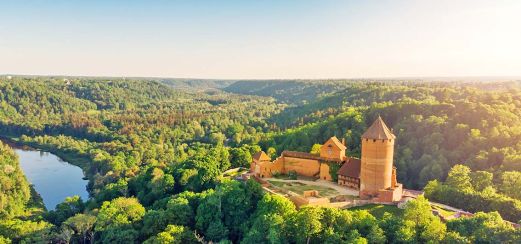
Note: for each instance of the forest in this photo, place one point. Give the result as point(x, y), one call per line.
point(154, 152)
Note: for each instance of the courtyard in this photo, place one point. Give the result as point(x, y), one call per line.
point(326, 189)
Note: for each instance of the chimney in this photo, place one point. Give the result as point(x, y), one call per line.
point(344, 141)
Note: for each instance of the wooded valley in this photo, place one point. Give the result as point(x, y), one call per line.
point(154, 152)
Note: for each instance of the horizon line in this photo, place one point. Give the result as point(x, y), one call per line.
point(490, 77)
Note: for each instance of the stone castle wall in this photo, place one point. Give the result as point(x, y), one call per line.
point(284, 164)
point(324, 172)
point(304, 167)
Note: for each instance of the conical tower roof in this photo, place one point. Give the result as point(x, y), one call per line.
point(379, 131)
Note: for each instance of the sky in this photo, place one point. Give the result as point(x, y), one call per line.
point(261, 39)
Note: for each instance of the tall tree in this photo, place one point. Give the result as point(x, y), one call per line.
point(420, 224)
point(510, 184)
point(459, 177)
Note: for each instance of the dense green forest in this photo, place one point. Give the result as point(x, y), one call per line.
point(155, 153)
point(479, 191)
point(14, 191)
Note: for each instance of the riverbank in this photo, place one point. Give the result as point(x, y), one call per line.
point(53, 174)
point(70, 158)
point(35, 206)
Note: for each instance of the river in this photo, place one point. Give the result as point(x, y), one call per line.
point(53, 178)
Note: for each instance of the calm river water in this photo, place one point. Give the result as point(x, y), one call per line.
point(53, 178)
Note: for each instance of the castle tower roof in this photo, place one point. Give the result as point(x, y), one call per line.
point(379, 131)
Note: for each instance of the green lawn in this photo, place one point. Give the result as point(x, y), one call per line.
point(282, 177)
point(299, 188)
point(378, 210)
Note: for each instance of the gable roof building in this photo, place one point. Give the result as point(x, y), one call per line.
point(351, 168)
point(261, 156)
point(333, 149)
point(333, 141)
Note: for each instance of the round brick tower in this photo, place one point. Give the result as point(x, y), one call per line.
point(376, 172)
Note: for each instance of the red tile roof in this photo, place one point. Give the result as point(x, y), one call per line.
point(351, 168)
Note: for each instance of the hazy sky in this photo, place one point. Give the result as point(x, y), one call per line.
point(262, 38)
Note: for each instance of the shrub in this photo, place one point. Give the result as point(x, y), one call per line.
point(292, 175)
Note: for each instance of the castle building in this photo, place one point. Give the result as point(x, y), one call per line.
point(349, 174)
point(304, 164)
point(373, 175)
point(377, 173)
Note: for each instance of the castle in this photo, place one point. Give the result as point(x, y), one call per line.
point(374, 175)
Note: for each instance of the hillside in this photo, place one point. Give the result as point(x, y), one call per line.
point(293, 92)
point(154, 156)
point(438, 124)
point(196, 83)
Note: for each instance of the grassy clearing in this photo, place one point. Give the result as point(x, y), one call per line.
point(298, 177)
point(282, 177)
point(234, 173)
point(443, 212)
point(299, 188)
point(378, 210)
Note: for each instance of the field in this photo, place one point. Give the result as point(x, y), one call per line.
point(378, 210)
